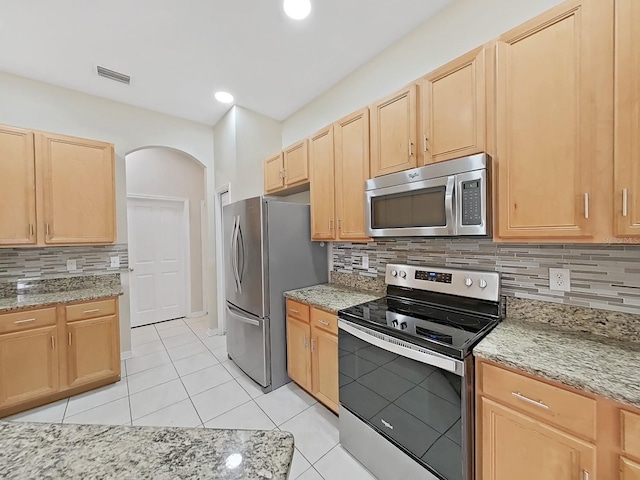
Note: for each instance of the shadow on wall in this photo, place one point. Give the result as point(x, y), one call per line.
point(167, 234)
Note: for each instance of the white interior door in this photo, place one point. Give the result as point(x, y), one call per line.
point(158, 251)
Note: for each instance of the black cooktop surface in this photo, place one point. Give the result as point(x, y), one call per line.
point(451, 330)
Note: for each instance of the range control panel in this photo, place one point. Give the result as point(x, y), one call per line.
point(471, 203)
point(464, 283)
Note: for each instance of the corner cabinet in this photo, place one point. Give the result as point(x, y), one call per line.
point(339, 167)
point(55, 190)
point(47, 354)
point(453, 109)
point(17, 187)
point(394, 132)
point(551, 82)
point(627, 119)
point(312, 351)
point(78, 180)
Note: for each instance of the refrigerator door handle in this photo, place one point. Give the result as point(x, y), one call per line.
point(236, 252)
point(239, 316)
point(241, 255)
point(234, 259)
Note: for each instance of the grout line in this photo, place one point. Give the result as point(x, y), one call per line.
point(64, 414)
point(129, 400)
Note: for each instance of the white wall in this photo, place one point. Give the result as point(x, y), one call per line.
point(243, 139)
point(463, 26)
point(165, 172)
point(31, 104)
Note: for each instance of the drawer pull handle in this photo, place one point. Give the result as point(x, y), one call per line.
point(324, 322)
point(26, 320)
point(313, 344)
point(537, 403)
point(91, 311)
point(293, 310)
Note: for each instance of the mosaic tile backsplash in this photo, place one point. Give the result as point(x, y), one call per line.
point(51, 262)
point(602, 276)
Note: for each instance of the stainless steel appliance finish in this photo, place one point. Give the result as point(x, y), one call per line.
point(267, 252)
point(406, 372)
point(450, 198)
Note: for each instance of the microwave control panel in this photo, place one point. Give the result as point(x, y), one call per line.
point(471, 207)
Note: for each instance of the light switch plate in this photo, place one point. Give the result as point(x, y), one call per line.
point(115, 261)
point(365, 262)
point(71, 265)
point(560, 279)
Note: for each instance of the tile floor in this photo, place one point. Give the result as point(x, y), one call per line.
point(181, 377)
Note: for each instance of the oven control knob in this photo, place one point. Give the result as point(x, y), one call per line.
point(403, 274)
point(482, 283)
point(403, 325)
point(394, 273)
point(468, 282)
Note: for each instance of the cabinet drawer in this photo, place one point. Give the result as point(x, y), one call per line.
point(630, 433)
point(297, 310)
point(15, 322)
point(324, 320)
point(99, 308)
point(557, 406)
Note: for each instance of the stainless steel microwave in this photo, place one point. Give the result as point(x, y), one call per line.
point(446, 199)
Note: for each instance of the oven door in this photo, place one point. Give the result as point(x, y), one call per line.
point(424, 208)
point(418, 400)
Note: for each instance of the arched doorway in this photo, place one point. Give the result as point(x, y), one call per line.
point(167, 235)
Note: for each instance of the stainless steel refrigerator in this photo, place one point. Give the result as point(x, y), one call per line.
point(268, 250)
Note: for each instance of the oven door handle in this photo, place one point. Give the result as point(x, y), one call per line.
point(448, 205)
point(448, 364)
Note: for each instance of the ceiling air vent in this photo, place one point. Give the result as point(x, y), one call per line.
point(116, 76)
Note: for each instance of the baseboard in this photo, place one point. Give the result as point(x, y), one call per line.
point(125, 355)
point(197, 314)
point(212, 332)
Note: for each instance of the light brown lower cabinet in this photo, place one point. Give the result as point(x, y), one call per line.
point(45, 357)
point(312, 351)
point(528, 428)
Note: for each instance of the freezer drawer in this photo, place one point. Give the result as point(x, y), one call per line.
point(247, 344)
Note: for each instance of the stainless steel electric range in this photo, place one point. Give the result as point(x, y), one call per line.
point(406, 372)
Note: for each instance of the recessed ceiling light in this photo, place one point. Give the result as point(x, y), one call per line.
point(297, 9)
point(224, 97)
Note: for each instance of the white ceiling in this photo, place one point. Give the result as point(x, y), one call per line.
point(179, 52)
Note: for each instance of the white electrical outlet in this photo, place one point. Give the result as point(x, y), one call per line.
point(71, 265)
point(560, 279)
point(115, 261)
point(365, 262)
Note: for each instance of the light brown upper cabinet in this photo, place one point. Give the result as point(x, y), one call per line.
point(627, 118)
point(394, 132)
point(78, 180)
point(322, 188)
point(551, 75)
point(352, 171)
point(17, 187)
point(339, 164)
point(453, 109)
point(273, 174)
point(287, 170)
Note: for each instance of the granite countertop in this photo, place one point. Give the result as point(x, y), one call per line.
point(92, 452)
point(588, 362)
point(332, 297)
point(45, 299)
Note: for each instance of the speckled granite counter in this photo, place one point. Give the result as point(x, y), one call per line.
point(42, 293)
point(332, 297)
point(92, 452)
point(592, 363)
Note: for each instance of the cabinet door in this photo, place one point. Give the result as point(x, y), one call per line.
point(352, 171)
point(298, 354)
point(629, 470)
point(627, 122)
point(273, 174)
point(453, 109)
point(322, 185)
point(547, 94)
point(78, 188)
point(296, 164)
point(93, 350)
point(28, 365)
point(517, 446)
point(393, 133)
point(17, 187)
point(324, 366)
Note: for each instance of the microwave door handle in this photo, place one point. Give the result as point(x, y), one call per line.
point(448, 205)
